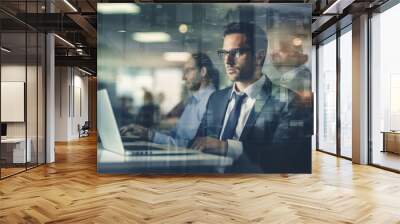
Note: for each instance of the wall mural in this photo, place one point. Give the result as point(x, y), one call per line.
point(204, 88)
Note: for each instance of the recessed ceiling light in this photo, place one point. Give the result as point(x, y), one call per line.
point(176, 56)
point(65, 41)
point(150, 37)
point(5, 50)
point(70, 5)
point(337, 7)
point(84, 71)
point(121, 31)
point(118, 8)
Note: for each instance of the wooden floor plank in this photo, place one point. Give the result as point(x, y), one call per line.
point(70, 191)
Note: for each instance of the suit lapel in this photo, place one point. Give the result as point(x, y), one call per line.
point(220, 114)
point(261, 100)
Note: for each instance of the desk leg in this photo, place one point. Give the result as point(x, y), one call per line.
point(384, 142)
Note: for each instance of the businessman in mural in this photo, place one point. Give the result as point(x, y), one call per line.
point(263, 127)
point(201, 79)
point(288, 66)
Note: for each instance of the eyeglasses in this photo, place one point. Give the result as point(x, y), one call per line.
point(235, 53)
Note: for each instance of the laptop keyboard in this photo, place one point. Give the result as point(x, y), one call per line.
point(141, 148)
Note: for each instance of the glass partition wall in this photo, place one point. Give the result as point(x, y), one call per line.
point(345, 90)
point(385, 90)
point(327, 95)
point(13, 109)
point(334, 94)
point(22, 94)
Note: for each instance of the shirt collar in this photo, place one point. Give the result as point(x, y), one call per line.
point(252, 90)
point(202, 92)
point(291, 74)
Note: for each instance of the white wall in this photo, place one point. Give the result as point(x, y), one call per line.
point(33, 126)
point(81, 94)
point(70, 84)
point(62, 80)
point(16, 73)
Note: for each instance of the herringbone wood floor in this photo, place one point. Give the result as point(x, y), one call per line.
point(70, 191)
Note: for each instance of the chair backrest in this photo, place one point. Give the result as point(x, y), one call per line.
point(86, 125)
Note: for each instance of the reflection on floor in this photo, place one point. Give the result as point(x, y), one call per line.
point(386, 159)
point(70, 191)
point(10, 169)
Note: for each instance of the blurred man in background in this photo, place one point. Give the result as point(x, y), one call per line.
point(201, 79)
point(124, 111)
point(149, 114)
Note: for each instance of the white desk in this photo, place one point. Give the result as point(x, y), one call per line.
point(16, 147)
point(110, 162)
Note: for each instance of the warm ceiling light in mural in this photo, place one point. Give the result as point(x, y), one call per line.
point(118, 8)
point(183, 28)
point(151, 37)
point(65, 41)
point(176, 56)
point(297, 42)
point(70, 5)
point(5, 50)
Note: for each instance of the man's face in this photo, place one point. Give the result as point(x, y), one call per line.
point(286, 55)
point(191, 75)
point(240, 68)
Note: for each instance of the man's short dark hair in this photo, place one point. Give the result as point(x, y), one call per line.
point(255, 36)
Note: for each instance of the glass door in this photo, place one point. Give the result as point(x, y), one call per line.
point(327, 96)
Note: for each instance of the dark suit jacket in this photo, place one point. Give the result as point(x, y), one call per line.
point(277, 134)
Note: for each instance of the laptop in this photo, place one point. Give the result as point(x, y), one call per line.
point(111, 138)
point(3, 131)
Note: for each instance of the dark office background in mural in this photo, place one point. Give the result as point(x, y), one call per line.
point(204, 88)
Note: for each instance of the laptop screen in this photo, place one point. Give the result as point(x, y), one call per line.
point(3, 129)
point(107, 126)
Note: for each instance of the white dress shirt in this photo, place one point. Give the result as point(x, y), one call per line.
point(235, 147)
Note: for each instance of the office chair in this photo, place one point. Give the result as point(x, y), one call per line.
point(84, 130)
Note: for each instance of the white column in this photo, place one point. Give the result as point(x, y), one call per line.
point(50, 94)
point(360, 90)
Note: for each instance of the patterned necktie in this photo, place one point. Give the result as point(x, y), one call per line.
point(233, 118)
